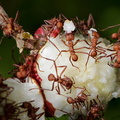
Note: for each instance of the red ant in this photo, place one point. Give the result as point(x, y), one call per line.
point(70, 44)
point(115, 57)
point(116, 36)
point(96, 110)
point(94, 48)
point(86, 25)
point(5, 88)
point(28, 69)
point(11, 26)
point(66, 83)
point(31, 110)
point(10, 110)
point(53, 27)
point(79, 101)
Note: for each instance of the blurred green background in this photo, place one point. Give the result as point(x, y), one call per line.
point(33, 12)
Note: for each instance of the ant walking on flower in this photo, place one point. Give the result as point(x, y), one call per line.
point(66, 83)
point(69, 42)
point(95, 50)
point(80, 100)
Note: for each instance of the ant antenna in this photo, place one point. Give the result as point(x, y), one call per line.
point(110, 27)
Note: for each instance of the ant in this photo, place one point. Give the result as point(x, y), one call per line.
point(10, 110)
point(94, 48)
point(116, 36)
point(53, 26)
point(66, 83)
point(96, 110)
point(4, 87)
point(115, 57)
point(28, 69)
point(31, 110)
point(11, 27)
point(86, 25)
point(70, 44)
point(78, 101)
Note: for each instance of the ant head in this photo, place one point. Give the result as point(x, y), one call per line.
point(116, 46)
point(70, 100)
point(69, 36)
point(95, 34)
point(11, 20)
point(21, 74)
point(26, 105)
point(114, 36)
point(59, 25)
point(51, 77)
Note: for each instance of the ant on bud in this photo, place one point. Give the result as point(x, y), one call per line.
point(80, 100)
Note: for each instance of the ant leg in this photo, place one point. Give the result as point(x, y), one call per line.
point(90, 21)
point(53, 62)
point(54, 45)
point(69, 58)
point(1, 39)
point(60, 53)
point(62, 70)
point(58, 88)
point(16, 16)
point(73, 64)
point(87, 59)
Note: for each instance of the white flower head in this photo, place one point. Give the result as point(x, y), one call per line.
point(68, 26)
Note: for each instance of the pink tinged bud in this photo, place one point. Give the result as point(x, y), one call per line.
point(38, 32)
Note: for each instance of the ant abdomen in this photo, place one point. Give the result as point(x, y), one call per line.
point(74, 57)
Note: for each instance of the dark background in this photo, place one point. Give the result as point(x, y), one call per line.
point(33, 12)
